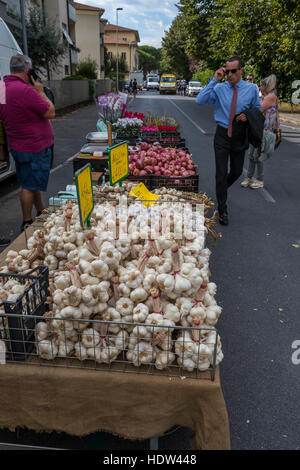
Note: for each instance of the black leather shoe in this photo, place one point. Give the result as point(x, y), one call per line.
point(223, 219)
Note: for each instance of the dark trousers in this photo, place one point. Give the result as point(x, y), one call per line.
point(228, 148)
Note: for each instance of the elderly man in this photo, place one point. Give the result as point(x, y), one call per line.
point(230, 100)
point(29, 133)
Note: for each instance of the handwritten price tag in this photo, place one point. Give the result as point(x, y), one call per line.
point(85, 193)
point(141, 192)
point(118, 163)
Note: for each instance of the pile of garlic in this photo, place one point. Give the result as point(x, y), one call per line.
point(10, 291)
point(146, 285)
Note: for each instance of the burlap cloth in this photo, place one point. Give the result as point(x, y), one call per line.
point(80, 402)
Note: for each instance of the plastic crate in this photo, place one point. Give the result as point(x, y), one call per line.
point(179, 144)
point(20, 338)
point(150, 137)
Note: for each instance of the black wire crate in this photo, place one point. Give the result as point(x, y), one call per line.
point(150, 136)
point(128, 347)
point(181, 183)
point(17, 317)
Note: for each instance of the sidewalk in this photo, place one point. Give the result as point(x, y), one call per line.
point(291, 118)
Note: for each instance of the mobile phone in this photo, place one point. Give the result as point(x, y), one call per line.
point(32, 74)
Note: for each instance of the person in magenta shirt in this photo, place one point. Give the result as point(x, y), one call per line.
point(25, 116)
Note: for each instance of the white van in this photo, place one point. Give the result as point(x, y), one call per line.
point(8, 48)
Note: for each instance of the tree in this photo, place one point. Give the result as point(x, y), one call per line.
point(110, 64)
point(195, 23)
point(149, 59)
point(174, 56)
point(45, 43)
point(87, 68)
point(265, 36)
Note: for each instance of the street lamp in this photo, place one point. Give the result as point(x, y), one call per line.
point(22, 10)
point(117, 62)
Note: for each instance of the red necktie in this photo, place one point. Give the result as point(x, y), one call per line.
point(232, 110)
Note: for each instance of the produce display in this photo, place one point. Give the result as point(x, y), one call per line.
point(145, 159)
point(142, 295)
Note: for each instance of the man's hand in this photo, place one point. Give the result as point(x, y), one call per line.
point(241, 117)
point(219, 74)
point(38, 86)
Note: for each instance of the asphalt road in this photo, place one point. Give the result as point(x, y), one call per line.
point(256, 268)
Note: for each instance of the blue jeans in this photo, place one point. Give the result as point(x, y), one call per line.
point(254, 162)
point(33, 169)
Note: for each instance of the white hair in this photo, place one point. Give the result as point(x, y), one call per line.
point(269, 83)
point(19, 63)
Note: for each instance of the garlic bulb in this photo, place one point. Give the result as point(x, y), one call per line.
point(143, 353)
point(80, 351)
point(140, 313)
point(47, 349)
point(65, 348)
point(41, 331)
point(90, 338)
point(124, 306)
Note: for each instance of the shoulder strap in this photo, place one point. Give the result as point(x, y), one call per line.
point(277, 114)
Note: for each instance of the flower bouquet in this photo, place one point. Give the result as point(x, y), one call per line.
point(128, 127)
point(111, 107)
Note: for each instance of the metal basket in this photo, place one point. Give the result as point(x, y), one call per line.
point(18, 320)
point(164, 356)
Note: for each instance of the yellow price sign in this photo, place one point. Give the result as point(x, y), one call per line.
point(83, 178)
point(141, 192)
point(118, 163)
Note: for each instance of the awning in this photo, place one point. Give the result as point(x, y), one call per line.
point(66, 34)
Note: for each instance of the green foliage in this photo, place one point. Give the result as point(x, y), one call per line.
point(75, 77)
point(111, 67)
point(203, 75)
point(149, 59)
point(87, 68)
point(264, 33)
point(174, 57)
point(45, 44)
point(195, 25)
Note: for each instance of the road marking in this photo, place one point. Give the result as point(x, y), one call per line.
point(266, 195)
point(188, 117)
point(290, 127)
point(61, 165)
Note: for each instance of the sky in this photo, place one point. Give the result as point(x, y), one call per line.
point(150, 17)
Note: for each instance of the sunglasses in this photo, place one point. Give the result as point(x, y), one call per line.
point(249, 79)
point(231, 70)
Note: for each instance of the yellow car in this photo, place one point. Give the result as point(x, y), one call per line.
point(167, 83)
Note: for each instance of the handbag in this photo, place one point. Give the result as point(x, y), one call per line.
point(278, 138)
point(277, 131)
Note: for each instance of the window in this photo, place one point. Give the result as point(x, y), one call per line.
point(109, 55)
point(67, 70)
point(124, 39)
point(123, 55)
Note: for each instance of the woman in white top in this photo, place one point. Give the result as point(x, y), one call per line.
point(257, 156)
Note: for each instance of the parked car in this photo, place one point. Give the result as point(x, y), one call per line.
point(152, 82)
point(193, 88)
point(8, 48)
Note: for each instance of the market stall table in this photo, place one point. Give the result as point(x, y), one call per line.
point(134, 406)
point(80, 401)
